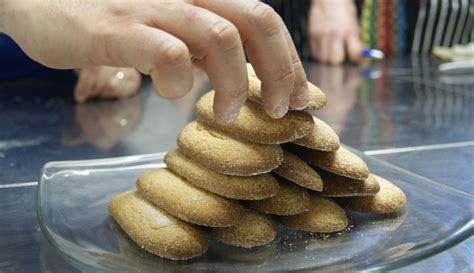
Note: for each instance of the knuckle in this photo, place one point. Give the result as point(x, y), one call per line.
point(224, 33)
point(103, 40)
point(266, 18)
point(287, 75)
point(173, 53)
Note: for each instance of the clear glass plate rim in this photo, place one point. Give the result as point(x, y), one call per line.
point(462, 233)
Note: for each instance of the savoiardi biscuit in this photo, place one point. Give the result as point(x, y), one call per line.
point(155, 230)
point(340, 186)
point(324, 216)
point(341, 162)
point(321, 138)
point(181, 199)
point(390, 198)
point(224, 154)
point(297, 171)
point(235, 187)
point(290, 199)
point(253, 123)
point(317, 99)
point(254, 229)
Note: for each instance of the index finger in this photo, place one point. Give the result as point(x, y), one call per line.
point(265, 43)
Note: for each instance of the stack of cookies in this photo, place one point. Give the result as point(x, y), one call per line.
point(238, 180)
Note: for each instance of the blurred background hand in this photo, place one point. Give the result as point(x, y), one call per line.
point(106, 82)
point(334, 31)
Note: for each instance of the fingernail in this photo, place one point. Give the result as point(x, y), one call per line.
point(281, 109)
point(301, 98)
point(231, 117)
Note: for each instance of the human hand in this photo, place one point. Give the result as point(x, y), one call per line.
point(163, 39)
point(334, 31)
point(106, 82)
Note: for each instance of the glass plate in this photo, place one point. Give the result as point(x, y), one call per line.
point(72, 210)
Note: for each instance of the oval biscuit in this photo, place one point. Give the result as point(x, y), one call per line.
point(291, 199)
point(321, 138)
point(253, 123)
point(340, 186)
point(324, 216)
point(254, 229)
point(317, 99)
point(181, 199)
point(227, 155)
point(235, 187)
point(297, 171)
point(390, 198)
point(341, 162)
point(155, 230)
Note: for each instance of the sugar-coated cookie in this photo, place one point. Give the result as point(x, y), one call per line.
point(155, 230)
point(324, 216)
point(178, 197)
point(235, 187)
point(340, 186)
point(297, 171)
point(341, 162)
point(321, 138)
point(317, 99)
point(224, 154)
point(254, 229)
point(390, 198)
point(291, 199)
point(253, 123)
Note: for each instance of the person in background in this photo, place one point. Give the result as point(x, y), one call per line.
point(332, 31)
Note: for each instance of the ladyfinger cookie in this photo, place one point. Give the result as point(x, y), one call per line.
point(254, 229)
point(235, 187)
point(341, 162)
point(317, 99)
point(290, 199)
point(390, 198)
point(297, 171)
point(324, 216)
point(321, 138)
point(181, 199)
point(155, 230)
point(254, 125)
point(340, 186)
point(224, 154)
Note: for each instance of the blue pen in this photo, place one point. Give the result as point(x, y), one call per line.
point(372, 53)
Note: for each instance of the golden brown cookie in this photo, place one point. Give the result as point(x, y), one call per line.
point(297, 171)
point(324, 215)
point(155, 230)
point(340, 186)
point(254, 229)
point(317, 99)
point(291, 199)
point(321, 138)
point(181, 199)
point(341, 162)
point(253, 123)
point(390, 198)
point(227, 155)
point(235, 187)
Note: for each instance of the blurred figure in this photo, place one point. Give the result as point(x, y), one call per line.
point(332, 31)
